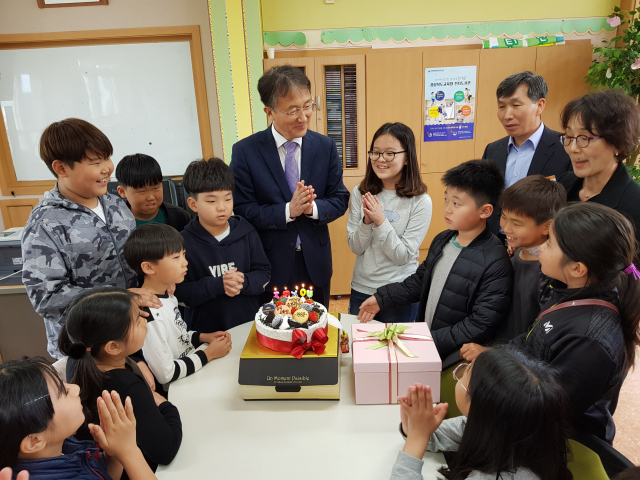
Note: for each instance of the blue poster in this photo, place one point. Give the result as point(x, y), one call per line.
point(449, 103)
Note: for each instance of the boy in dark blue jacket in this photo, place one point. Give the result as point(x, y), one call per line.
point(228, 268)
point(465, 284)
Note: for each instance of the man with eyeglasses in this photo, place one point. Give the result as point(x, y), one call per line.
point(289, 185)
point(530, 147)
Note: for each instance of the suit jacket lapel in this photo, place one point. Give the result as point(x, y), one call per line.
point(271, 157)
point(543, 153)
point(306, 159)
point(501, 156)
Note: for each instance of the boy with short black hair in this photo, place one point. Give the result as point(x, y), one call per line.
point(140, 178)
point(528, 207)
point(228, 267)
point(156, 252)
point(464, 286)
point(73, 239)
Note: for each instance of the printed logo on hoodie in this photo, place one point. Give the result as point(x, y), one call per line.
point(219, 270)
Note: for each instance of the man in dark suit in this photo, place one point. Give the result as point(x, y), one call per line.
point(530, 148)
point(289, 185)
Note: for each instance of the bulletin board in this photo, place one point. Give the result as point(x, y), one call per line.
point(144, 88)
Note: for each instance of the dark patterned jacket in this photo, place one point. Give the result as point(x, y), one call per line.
point(67, 248)
point(586, 344)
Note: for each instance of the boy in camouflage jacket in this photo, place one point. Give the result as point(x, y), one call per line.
point(74, 238)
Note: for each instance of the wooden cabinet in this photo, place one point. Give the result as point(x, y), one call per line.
point(15, 211)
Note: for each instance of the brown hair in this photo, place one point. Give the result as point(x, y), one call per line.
point(611, 114)
point(410, 183)
point(69, 141)
point(535, 197)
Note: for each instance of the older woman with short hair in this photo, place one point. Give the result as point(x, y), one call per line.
point(601, 130)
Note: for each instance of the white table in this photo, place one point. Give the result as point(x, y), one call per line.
point(226, 437)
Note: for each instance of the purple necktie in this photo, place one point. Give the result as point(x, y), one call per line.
point(291, 171)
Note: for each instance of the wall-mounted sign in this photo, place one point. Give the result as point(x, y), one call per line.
point(449, 103)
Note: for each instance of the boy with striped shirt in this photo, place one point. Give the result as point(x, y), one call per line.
point(156, 253)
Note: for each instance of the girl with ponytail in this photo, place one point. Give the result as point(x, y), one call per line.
point(104, 326)
point(588, 330)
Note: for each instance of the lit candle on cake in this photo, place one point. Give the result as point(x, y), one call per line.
point(296, 290)
point(276, 293)
point(285, 292)
point(310, 291)
point(303, 292)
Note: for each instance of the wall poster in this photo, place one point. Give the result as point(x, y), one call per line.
point(449, 103)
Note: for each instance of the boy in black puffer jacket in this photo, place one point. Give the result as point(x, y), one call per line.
point(464, 286)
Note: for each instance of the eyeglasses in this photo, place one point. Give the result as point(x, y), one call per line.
point(458, 373)
point(307, 109)
point(386, 156)
point(581, 140)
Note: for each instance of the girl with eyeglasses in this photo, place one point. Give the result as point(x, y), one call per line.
point(38, 416)
point(513, 426)
point(389, 215)
point(601, 131)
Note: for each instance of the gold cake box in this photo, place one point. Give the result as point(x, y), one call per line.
point(269, 375)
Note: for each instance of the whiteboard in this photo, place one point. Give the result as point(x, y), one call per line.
point(140, 95)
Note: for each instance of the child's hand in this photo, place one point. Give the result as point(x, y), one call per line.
point(144, 368)
point(368, 309)
point(371, 206)
point(219, 347)
point(146, 299)
point(233, 282)
point(423, 419)
point(470, 351)
point(210, 337)
point(116, 433)
point(5, 474)
point(405, 403)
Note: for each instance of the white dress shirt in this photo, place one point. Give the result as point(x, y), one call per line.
point(282, 152)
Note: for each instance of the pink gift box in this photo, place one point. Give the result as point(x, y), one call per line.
point(380, 378)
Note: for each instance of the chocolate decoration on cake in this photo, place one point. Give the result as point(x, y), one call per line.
point(307, 307)
point(277, 321)
point(269, 318)
point(294, 324)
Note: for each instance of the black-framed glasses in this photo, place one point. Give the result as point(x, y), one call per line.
point(307, 109)
point(459, 372)
point(383, 156)
point(581, 140)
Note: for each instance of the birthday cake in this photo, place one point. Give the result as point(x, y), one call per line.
point(277, 320)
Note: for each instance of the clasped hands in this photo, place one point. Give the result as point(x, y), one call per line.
point(372, 210)
point(233, 281)
point(302, 200)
